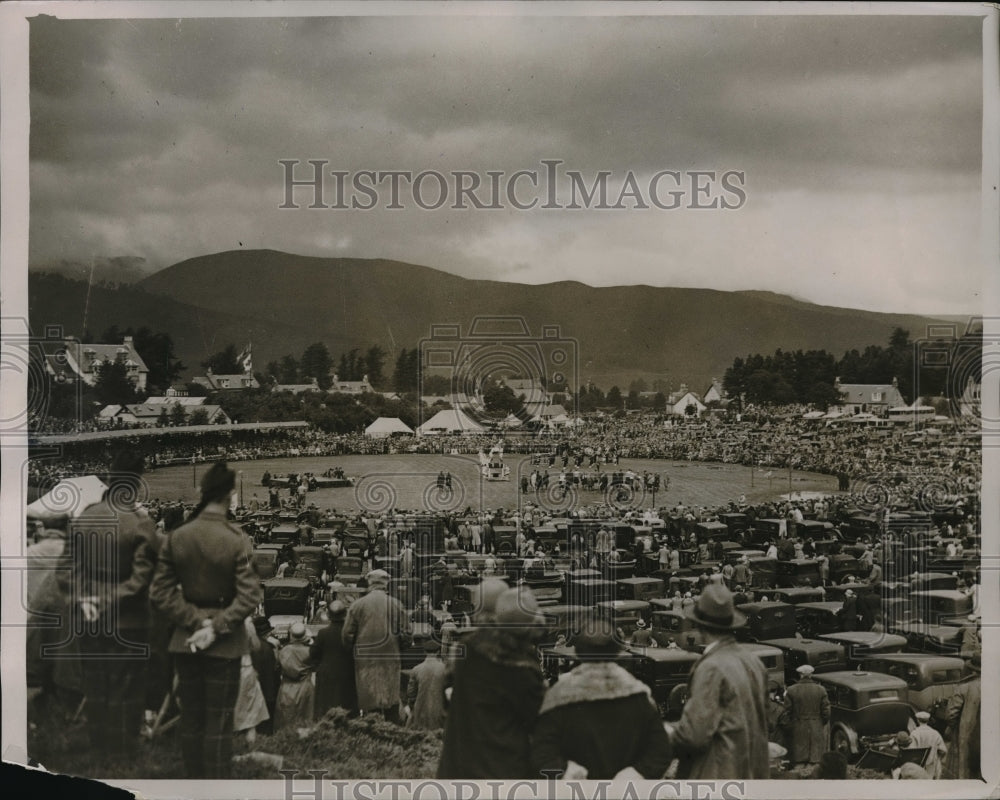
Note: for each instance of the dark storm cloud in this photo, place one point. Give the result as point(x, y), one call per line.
point(160, 138)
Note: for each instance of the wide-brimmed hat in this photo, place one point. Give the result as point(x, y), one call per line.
point(297, 632)
point(640, 623)
point(714, 609)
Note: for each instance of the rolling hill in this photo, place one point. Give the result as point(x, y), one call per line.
point(284, 302)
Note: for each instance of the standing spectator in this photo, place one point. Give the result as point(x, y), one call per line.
point(497, 691)
point(848, 613)
point(264, 656)
point(406, 561)
point(297, 695)
point(334, 665)
point(925, 736)
point(206, 583)
point(807, 709)
point(741, 572)
point(600, 717)
point(642, 636)
point(723, 730)
point(251, 705)
point(425, 690)
point(105, 571)
point(374, 625)
point(964, 709)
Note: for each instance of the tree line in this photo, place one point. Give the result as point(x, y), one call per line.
point(922, 368)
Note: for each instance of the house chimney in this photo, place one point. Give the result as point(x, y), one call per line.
point(895, 383)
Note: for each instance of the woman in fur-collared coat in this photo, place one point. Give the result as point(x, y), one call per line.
point(497, 688)
point(601, 718)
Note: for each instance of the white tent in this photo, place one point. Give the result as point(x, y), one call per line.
point(450, 421)
point(386, 426)
point(511, 422)
point(68, 497)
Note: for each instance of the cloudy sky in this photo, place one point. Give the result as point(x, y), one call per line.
point(859, 138)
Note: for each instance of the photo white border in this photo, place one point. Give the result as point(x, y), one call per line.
point(14, 208)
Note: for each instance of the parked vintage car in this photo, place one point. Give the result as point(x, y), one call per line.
point(867, 709)
point(763, 571)
point(549, 586)
point(814, 529)
point(765, 530)
point(930, 679)
point(862, 644)
point(843, 565)
point(640, 588)
point(798, 572)
point(284, 533)
point(711, 531)
point(814, 619)
point(589, 591)
point(670, 625)
point(350, 569)
point(286, 601)
point(737, 523)
point(310, 561)
point(567, 621)
point(794, 595)
point(266, 558)
point(821, 656)
point(772, 657)
point(768, 620)
point(936, 606)
point(624, 614)
point(923, 637)
point(932, 581)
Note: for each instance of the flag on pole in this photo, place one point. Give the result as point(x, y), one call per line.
point(246, 359)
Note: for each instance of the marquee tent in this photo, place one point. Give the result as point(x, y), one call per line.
point(386, 426)
point(450, 421)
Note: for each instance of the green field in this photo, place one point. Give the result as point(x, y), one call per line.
point(409, 482)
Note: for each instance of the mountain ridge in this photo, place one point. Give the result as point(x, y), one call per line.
point(283, 302)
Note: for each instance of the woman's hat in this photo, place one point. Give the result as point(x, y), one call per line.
point(903, 739)
point(297, 632)
point(715, 610)
point(597, 642)
point(640, 623)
